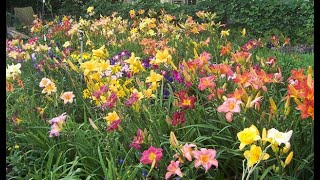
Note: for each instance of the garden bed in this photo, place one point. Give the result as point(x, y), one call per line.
point(156, 98)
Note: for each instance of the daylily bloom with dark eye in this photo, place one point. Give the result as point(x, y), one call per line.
point(185, 101)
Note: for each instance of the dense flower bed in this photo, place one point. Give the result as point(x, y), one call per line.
point(165, 98)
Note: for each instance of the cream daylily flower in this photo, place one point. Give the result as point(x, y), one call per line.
point(279, 137)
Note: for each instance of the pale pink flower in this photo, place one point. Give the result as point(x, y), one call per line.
point(57, 123)
point(206, 158)
point(230, 106)
point(173, 168)
point(59, 119)
point(187, 151)
point(67, 97)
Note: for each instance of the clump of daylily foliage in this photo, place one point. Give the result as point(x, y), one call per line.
point(145, 80)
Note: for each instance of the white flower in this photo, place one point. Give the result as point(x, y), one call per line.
point(13, 71)
point(279, 137)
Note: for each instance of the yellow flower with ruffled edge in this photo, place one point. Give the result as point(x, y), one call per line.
point(95, 76)
point(135, 64)
point(101, 52)
point(88, 67)
point(148, 93)
point(112, 116)
point(248, 136)
point(154, 77)
point(161, 57)
point(114, 85)
point(115, 69)
point(103, 66)
point(120, 92)
point(253, 155)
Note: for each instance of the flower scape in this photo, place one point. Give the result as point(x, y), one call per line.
point(154, 97)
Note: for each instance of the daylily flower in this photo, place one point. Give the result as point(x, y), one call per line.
point(230, 106)
point(101, 52)
point(187, 151)
point(279, 137)
point(13, 71)
point(241, 57)
point(207, 82)
point(253, 155)
point(185, 101)
point(248, 136)
point(137, 140)
point(57, 123)
point(67, 97)
point(154, 77)
point(225, 33)
point(173, 168)
point(110, 101)
point(151, 156)
point(49, 88)
point(206, 158)
point(114, 125)
point(178, 118)
point(112, 116)
point(44, 82)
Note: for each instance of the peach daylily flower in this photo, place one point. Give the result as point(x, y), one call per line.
point(230, 106)
point(44, 82)
point(207, 82)
point(49, 88)
point(206, 158)
point(173, 168)
point(67, 97)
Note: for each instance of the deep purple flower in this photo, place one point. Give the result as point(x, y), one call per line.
point(166, 93)
point(146, 62)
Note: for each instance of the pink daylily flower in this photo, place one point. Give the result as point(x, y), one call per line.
point(152, 155)
point(173, 168)
point(206, 158)
point(230, 106)
point(187, 151)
